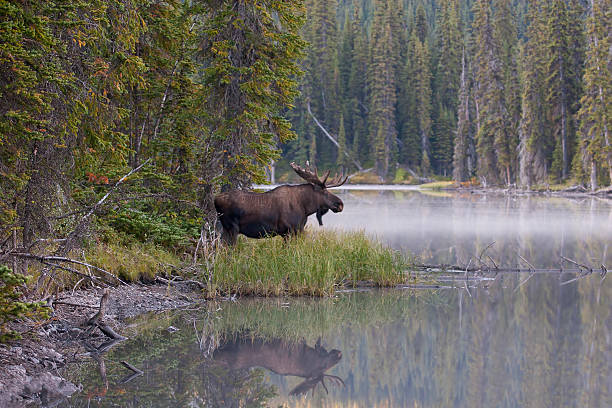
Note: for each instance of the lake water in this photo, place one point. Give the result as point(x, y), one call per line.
point(514, 340)
point(453, 228)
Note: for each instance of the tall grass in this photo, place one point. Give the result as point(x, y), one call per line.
point(313, 264)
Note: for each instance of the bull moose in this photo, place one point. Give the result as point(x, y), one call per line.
point(281, 211)
point(282, 357)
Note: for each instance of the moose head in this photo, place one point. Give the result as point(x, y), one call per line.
point(326, 200)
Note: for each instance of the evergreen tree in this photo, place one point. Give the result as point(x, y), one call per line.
point(323, 56)
point(463, 165)
point(422, 78)
point(446, 87)
point(494, 136)
point(534, 137)
point(562, 81)
point(249, 55)
point(382, 91)
point(595, 114)
point(506, 41)
point(357, 89)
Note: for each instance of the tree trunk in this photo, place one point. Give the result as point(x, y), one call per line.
point(593, 175)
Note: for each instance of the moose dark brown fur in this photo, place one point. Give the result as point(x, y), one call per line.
point(282, 211)
point(281, 357)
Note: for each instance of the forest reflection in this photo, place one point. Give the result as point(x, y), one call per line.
point(539, 344)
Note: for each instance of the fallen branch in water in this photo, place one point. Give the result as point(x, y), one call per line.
point(96, 320)
point(483, 252)
point(580, 266)
point(136, 373)
point(101, 309)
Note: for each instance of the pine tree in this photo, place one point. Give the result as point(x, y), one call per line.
point(595, 114)
point(506, 138)
point(534, 138)
point(423, 102)
point(382, 91)
point(487, 92)
point(446, 82)
point(357, 89)
point(562, 81)
point(462, 166)
point(250, 58)
point(323, 55)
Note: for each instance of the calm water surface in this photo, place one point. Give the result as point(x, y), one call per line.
point(512, 341)
point(452, 228)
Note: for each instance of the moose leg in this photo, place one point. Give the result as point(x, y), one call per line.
point(229, 234)
point(232, 235)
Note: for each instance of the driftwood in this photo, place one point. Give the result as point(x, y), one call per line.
point(136, 373)
point(96, 320)
point(175, 282)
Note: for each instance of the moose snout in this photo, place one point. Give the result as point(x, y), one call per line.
point(338, 207)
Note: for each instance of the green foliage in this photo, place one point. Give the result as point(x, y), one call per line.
point(11, 305)
point(312, 264)
point(595, 113)
point(169, 230)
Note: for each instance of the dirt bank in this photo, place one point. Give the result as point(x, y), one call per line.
point(28, 366)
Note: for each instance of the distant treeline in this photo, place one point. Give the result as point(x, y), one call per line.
point(508, 91)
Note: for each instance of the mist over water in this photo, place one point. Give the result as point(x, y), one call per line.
point(451, 228)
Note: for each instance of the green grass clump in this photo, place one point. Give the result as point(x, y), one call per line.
point(313, 264)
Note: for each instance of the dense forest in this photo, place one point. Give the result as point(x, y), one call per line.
point(510, 92)
point(131, 114)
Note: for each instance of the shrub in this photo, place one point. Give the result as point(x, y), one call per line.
point(11, 307)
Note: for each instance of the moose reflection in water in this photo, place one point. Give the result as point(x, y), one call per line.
point(283, 358)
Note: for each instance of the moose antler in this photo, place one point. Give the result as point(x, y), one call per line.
point(313, 176)
point(311, 384)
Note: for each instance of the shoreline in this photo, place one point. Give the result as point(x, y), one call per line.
point(29, 366)
point(574, 191)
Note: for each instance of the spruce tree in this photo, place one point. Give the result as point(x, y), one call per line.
point(446, 82)
point(382, 91)
point(462, 166)
point(534, 137)
point(595, 114)
point(562, 80)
